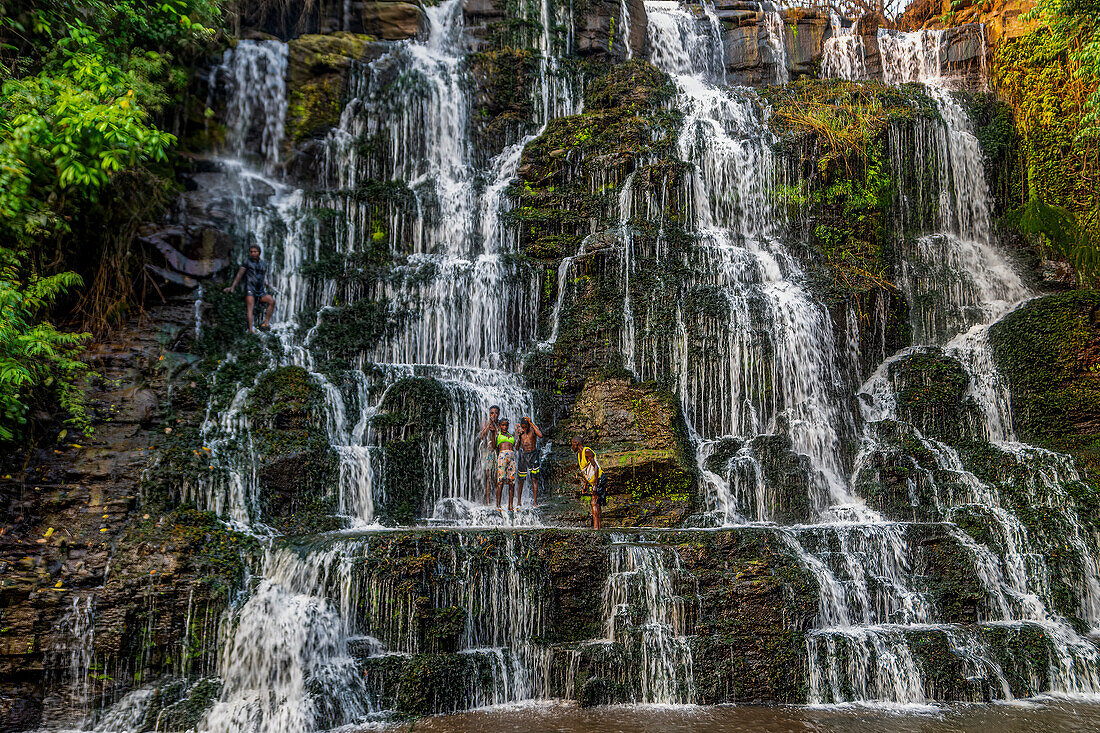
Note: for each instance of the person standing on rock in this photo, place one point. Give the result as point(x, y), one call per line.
point(254, 270)
point(487, 454)
point(594, 480)
point(528, 435)
point(506, 461)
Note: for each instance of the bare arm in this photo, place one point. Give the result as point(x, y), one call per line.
point(236, 280)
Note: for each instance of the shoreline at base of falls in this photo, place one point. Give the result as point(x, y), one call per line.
point(1023, 716)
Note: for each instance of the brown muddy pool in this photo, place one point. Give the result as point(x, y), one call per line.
point(1036, 716)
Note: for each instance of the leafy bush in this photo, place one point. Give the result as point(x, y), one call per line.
point(1052, 78)
point(80, 85)
point(34, 355)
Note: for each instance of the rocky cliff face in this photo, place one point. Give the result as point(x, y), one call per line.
point(114, 578)
point(106, 580)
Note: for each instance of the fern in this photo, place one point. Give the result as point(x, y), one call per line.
point(36, 360)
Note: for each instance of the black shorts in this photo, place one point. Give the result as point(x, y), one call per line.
point(601, 490)
point(258, 293)
point(528, 463)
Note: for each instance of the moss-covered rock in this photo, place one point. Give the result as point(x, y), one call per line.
point(1049, 352)
point(317, 70)
point(931, 390)
point(640, 440)
point(410, 423)
point(296, 464)
point(626, 125)
point(504, 101)
point(746, 602)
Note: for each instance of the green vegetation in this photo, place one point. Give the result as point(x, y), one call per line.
point(834, 134)
point(82, 162)
point(1052, 79)
point(1049, 350)
point(35, 358)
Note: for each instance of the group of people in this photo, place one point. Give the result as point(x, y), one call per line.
point(507, 459)
point(510, 460)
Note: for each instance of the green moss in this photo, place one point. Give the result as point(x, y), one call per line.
point(318, 67)
point(931, 390)
point(1049, 351)
point(314, 107)
point(627, 121)
point(343, 332)
point(995, 127)
point(504, 102)
point(832, 135)
point(297, 465)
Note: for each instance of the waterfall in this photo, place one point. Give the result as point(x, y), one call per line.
point(255, 71)
point(770, 365)
point(287, 666)
point(642, 607)
point(462, 310)
point(332, 624)
point(843, 55)
point(958, 282)
point(775, 36)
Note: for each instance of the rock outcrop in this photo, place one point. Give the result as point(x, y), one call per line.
point(640, 440)
point(104, 582)
point(391, 20)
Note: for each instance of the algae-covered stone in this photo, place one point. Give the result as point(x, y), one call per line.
point(317, 70)
point(296, 464)
point(1049, 352)
point(410, 422)
point(640, 440)
point(933, 394)
point(504, 104)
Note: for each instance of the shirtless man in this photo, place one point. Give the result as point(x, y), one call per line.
point(254, 272)
point(487, 452)
point(527, 435)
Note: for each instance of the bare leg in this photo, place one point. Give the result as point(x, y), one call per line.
point(595, 511)
point(268, 301)
point(249, 304)
point(534, 489)
point(488, 487)
point(519, 491)
point(500, 488)
point(510, 487)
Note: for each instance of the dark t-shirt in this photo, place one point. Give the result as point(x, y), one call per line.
point(255, 272)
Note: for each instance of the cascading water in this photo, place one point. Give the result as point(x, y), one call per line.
point(461, 312)
point(640, 578)
point(460, 309)
point(957, 282)
point(752, 354)
point(843, 54)
point(768, 366)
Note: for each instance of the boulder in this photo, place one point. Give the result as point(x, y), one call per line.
point(805, 41)
point(640, 441)
point(601, 29)
point(317, 71)
point(392, 21)
point(742, 46)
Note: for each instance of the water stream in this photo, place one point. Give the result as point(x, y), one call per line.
point(786, 440)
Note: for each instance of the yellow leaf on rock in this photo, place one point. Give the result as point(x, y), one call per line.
point(49, 533)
